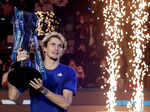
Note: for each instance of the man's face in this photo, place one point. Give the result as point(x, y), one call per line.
point(54, 48)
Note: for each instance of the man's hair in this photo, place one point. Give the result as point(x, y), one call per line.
point(50, 35)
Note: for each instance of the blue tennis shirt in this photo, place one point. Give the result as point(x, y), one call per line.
point(63, 77)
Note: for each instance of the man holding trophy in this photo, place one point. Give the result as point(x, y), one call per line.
point(56, 92)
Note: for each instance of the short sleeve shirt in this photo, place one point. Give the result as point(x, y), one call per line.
point(63, 77)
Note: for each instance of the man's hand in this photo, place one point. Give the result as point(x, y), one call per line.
point(36, 83)
point(22, 55)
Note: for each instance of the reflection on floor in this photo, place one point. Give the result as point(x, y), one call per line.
point(86, 100)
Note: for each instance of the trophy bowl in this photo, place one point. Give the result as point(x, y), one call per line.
point(20, 76)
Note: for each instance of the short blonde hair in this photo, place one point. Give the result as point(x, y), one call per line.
point(50, 35)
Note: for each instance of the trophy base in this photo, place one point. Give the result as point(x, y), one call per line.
point(20, 76)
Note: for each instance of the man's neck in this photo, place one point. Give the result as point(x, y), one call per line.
point(51, 64)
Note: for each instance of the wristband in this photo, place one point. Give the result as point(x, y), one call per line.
point(43, 90)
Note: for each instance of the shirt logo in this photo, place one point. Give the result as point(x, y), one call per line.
point(59, 74)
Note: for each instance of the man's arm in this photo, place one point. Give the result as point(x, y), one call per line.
point(13, 92)
point(64, 101)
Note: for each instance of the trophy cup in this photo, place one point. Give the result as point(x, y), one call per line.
point(22, 72)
